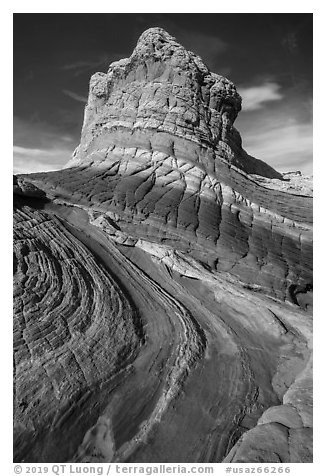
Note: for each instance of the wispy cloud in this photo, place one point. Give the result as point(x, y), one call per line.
point(36, 134)
point(28, 160)
point(255, 97)
point(40, 147)
point(208, 47)
point(75, 96)
point(101, 61)
point(81, 66)
point(78, 65)
point(286, 144)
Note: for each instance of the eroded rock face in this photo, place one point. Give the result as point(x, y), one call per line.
point(73, 329)
point(163, 292)
point(166, 93)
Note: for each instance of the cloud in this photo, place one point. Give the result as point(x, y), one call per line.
point(38, 134)
point(40, 147)
point(75, 96)
point(80, 67)
point(255, 97)
point(38, 160)
point(284, 143)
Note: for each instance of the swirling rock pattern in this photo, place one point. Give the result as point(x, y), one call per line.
point(163, 281)
point(73, 326)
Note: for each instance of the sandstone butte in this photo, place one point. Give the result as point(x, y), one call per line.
point(163, 281)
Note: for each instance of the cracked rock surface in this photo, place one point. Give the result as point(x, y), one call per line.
point(163, 281)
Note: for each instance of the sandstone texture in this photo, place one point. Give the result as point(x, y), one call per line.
point(163, 281)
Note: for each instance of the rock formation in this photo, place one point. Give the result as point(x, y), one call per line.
point(163, 281)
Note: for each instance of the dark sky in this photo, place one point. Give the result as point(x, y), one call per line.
point(267, 56)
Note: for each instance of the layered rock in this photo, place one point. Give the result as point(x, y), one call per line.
point(73, 328)
point(165, 93)
point(202, 346)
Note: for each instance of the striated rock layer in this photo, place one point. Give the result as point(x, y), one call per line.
point(163, 281)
